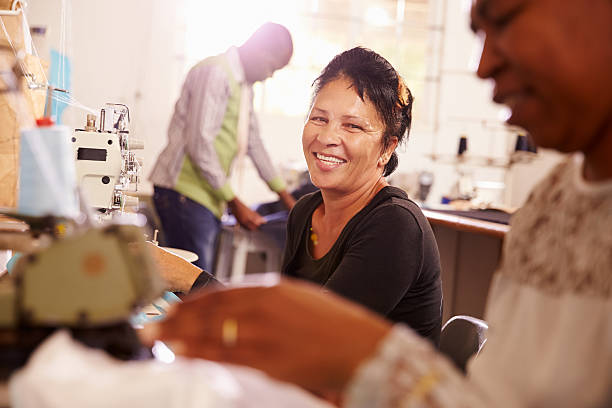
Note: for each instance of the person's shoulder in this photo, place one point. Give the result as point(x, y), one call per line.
point(395, 201)
point(559, 176)
point(211, 66)
point(392, 214)
point(392, 224)
point(390, 218)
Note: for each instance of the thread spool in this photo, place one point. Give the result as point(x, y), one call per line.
point(47, 176)
point(463, 145)
point(523, 144)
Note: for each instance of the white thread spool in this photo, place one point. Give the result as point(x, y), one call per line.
point(47, 176)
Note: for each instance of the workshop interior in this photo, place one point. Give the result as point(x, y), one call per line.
point(92, 97)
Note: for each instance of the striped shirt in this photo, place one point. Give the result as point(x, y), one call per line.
point(198, 116)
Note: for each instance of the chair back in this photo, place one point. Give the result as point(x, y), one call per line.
point(461, 338)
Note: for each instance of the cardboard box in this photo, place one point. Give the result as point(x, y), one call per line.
point(13, 116)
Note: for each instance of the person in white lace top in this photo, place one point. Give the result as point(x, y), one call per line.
point(550, 304)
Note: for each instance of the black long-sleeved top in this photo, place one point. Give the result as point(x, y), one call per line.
point(385, 258)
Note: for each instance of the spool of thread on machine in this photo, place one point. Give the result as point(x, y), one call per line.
point(47, 176)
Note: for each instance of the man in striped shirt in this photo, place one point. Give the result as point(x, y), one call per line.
point(213, 124)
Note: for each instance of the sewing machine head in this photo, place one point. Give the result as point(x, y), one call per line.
point(106, 166)
point(91, 277)
point(87, 281)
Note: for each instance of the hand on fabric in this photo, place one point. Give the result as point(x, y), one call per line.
point(178, 273)
point(248, 218)
point(287, 199)
point(292, 331)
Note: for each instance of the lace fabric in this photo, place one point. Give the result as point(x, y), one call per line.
point(560, 240)
point(409, 372)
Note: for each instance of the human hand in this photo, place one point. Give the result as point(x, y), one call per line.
point(178, 273)
point(293, 331)
point(287, 199)
point(246, 217)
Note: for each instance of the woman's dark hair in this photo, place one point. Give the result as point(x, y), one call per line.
point(374, 77)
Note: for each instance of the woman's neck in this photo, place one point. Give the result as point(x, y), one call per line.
point(338, 208)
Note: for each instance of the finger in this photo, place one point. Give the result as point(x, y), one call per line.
point(211, 332)
point(281, 367)
point(186, 318)
point(149, 333)
point(204, 313)
point(214, 348)
point(245, 353)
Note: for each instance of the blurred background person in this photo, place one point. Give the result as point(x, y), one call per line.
point(213, 124)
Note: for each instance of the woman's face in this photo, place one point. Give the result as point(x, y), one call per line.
point(342, 140)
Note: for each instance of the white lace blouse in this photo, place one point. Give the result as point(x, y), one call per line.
point(549, 313)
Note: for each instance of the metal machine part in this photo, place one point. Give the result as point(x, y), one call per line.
point(89, 282)
point(106, 166)
point(93, 278)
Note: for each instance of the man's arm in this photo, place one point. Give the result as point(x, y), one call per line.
point(248, 218)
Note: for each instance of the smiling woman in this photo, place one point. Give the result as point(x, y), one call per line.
point(358, 236)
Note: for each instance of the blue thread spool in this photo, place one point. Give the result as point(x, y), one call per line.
point(47, 177)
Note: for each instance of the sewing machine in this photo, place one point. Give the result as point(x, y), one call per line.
point(92, 276)
point(106, 165)
point(76, 277)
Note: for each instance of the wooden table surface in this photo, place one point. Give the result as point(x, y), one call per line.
point(466, 224)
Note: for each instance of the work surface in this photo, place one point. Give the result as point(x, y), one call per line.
point(470, 251)
point(465, 221)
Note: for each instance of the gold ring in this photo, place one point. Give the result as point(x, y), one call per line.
point(229, 332)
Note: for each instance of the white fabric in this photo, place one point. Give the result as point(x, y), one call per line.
point(549, 313)
point(64, 373)
point(545, 350)
point(5, 256)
